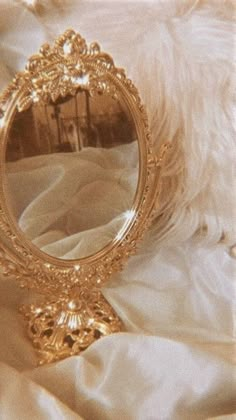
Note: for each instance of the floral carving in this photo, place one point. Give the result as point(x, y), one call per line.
point(69, 323)
point(62, 69)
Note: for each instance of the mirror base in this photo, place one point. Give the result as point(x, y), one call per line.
point(67, 326)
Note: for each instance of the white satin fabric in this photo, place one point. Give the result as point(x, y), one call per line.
point(176, 359)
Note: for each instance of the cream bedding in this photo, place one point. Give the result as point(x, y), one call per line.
point(177, 296)
point(174, 362)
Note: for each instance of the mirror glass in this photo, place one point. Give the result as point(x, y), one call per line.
point(72, 171)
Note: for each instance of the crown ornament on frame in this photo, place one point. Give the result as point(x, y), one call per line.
point(75, 314)
point(60, 70)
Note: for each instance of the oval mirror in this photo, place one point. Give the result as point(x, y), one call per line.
point(72, 170)
point(78, 188)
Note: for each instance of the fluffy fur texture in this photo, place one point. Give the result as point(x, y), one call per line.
point(180, 55)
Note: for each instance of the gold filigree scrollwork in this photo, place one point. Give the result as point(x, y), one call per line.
point(67, 327)
point(60, 70)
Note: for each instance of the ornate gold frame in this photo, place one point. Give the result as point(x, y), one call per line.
point(58, 71)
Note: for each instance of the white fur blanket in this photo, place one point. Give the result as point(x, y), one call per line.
point(176, 296)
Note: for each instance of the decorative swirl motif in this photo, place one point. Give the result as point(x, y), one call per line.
point(59, 71)
point(69, 324)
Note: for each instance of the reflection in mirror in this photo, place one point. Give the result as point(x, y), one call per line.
point(72, 171)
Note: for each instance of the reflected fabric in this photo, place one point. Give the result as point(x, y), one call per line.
point(71, 205)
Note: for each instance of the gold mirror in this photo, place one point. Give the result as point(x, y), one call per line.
point(78, 185)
